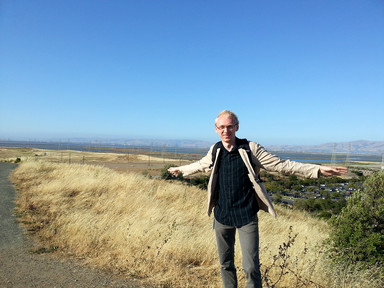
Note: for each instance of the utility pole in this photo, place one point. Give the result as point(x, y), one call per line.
point(333, 159)
point(348, 158)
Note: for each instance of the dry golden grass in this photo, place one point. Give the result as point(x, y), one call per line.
point(9, 154)
point(149, 164)
point(126, 222)
point(153, 229)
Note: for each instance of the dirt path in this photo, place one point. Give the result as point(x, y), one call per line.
point(20, 268)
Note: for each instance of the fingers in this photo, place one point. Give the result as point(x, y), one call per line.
point(328, 170)
point(174, 171)
point(341, 170)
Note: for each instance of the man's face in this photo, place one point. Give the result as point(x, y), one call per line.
point(226, 129)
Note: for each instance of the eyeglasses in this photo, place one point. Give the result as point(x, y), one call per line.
point(229, 127)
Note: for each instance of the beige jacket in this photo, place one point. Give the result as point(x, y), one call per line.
point(262, 160)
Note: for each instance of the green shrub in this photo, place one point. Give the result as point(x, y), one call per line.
point(357, 234)
point(201, 182)
point(166, 175)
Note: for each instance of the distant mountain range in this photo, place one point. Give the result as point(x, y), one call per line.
point(353, 147)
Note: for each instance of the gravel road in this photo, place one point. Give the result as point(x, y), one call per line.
point(20, 268)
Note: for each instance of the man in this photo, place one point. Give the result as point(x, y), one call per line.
point(236, 194)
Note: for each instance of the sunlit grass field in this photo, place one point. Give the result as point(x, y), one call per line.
point(158, 231)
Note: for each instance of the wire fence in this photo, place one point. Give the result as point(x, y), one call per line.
point(158, 155)
point(134, 156)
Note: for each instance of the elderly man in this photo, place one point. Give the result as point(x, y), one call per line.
point(236, 194)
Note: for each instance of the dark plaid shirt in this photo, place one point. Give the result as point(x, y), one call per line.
point(237, 204)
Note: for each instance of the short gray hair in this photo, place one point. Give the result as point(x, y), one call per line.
point(229, 114)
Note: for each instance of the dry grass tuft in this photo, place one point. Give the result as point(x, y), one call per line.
point(152, 229)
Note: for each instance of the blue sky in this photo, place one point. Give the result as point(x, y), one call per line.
point(295, 72)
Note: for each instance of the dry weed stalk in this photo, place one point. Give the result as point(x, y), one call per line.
point(282, 267)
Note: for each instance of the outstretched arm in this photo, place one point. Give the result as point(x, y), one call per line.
point(330, 170)
point(203, 165)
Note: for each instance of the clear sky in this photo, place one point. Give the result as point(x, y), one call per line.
point(295, 72)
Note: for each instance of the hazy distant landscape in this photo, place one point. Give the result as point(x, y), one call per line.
point(353, 147)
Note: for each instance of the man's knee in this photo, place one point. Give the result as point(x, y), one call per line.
point(251, 266)
point(228, 266)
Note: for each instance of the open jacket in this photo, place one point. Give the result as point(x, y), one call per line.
point(261, 159)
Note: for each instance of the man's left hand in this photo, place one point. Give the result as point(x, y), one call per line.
point(330, 170)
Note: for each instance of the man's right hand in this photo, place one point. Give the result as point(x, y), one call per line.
point(174, 171)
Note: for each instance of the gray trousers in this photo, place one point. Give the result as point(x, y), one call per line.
point(249, 242)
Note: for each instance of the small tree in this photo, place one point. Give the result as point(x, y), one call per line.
point(358, 231)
